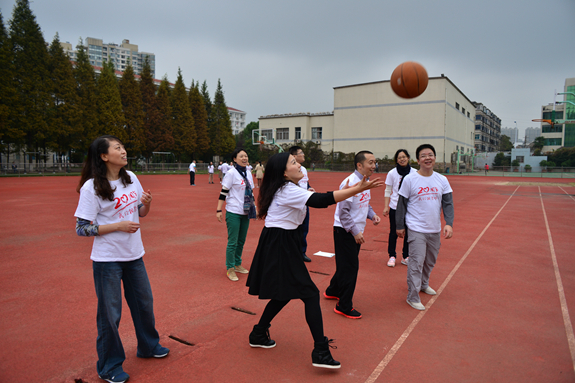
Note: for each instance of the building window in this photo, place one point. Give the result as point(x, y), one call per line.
point(457, 105)
point(298, 133)
point(477, 136)
point(463, 110)
point(477, 127)
point(267, 133)
point(282, 134)
point(521, 159)
point(553, 142)
point(316, 133)
point(468, 116)
point(551, 129)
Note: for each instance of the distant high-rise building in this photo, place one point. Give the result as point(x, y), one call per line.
point(100, 53)
point(531, 134)
point(238, 120)
point(487, 129)
point(512, 133)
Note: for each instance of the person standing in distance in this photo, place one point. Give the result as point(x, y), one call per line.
point(111, 203)
point(211, 173)
point(299, 156)
point(422, 196)
point(192, 172)
point(393, 181)
point(348, 227)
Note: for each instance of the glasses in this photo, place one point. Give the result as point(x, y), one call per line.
point(402, 158)
point(423, 156)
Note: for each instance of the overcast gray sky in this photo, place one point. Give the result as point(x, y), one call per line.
point(287, 56)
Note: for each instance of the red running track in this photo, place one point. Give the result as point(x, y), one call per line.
point(506, 284)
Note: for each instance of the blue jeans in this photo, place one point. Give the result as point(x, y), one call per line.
point(138, 293)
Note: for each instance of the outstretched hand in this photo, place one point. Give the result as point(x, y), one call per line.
point(364, 184)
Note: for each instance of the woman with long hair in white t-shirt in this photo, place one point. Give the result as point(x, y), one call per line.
point(393, 182)
point(278, 271)
point(237, 193)
point(111, 202)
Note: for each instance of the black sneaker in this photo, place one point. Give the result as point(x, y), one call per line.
point(352, 314)
point(260, 337)
point(321, 357)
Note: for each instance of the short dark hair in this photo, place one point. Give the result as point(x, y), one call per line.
point(236, 152)
point(360, 157)
point(399, 152)
point(424, 146)
point(294, 149)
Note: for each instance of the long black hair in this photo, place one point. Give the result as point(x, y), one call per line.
point(95, 167)
point(399, 152)
point(274, 179)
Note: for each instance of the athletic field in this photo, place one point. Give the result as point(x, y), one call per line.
point(503, 312)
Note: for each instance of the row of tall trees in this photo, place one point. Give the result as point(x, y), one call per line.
point(47, 104)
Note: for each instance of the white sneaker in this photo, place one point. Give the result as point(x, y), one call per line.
point(404, 261)
point(232, 275)
point(391, 262)
point(416, 305)
point(429, 291)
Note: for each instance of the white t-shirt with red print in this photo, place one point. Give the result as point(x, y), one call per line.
point(424, 201)
point(117, 246)
point(288, 208)
point(236, 184)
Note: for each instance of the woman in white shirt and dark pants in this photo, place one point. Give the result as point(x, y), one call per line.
point(278, 271)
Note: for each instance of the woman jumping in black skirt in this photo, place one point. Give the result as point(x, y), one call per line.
point(278, 271)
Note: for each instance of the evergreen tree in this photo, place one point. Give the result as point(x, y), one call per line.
point(65, 128)
point(87, 99)
point(207, 100)
point(164, 138)
point(221, 136)
point(30, 75)
point(110, 116)
point(182, 119)
point(150, 109)
point(200, 120)
point(9, 130)
point(133, 112)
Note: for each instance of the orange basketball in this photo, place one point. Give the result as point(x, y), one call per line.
point(409, 79)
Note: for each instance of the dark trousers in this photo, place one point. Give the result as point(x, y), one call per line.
point(342, 284)
point(312, 315)
point(392, 242)
point(192, 178)
point(304, 228)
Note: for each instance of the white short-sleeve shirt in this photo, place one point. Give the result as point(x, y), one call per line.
point(424, 201)
point(193, 167)
point(117, 246)
point(236, 184)
point(210, 169)
point(393, 179)
point(288, 208)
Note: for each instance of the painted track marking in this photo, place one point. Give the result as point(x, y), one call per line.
point(561, 291)
point(564, 191)
point(391, 353)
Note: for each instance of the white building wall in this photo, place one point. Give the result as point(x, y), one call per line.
point(371, 117)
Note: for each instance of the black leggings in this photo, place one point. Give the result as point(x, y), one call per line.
point(312, 315)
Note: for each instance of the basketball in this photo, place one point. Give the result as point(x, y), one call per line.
point(409, 79)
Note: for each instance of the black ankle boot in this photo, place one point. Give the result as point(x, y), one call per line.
point(321, 357)
point(260, 337)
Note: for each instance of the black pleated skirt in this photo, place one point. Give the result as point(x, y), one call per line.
point(278, 270)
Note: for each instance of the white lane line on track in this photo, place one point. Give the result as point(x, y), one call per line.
point(569, 195)
point(561, 291)
point(393, 350)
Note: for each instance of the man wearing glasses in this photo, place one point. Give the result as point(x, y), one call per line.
point(422, 196)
